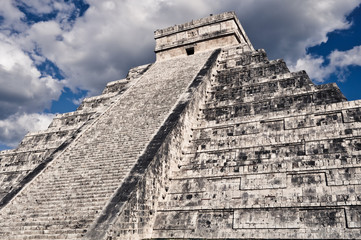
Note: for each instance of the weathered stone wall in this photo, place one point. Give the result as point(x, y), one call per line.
point(136, 218)
point(193, 148)
point(83, 182)
point(272, 156)
point(217, 42)
point(202, 35)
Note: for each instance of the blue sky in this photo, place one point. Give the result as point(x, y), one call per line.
point(53, 53)
point(344, 40)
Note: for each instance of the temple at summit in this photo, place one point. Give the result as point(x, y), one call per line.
point(211, 141)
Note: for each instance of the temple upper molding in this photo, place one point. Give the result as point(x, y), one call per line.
point(200, 35)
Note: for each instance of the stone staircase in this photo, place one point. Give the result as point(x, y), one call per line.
point(72, 191)
point(37, 149)
point(202, 144)
point(271, 156)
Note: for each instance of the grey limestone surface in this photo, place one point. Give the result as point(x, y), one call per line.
point(271, 156)
point(220, 144)
point(77, 184)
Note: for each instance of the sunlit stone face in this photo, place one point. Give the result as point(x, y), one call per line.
point(200, 35)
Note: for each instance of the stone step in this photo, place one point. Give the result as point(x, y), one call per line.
point(278, 136)
point(43, 223)
point(80, 188)
point(351, 113)
point(285, 149)
point(106, 177)
point(54, 201)
point(289, 104)
point(225, 162)
point(235, 51)
point(71, 187)
point(68, 203)
point(58, 191)
point(255, 92)
point(117, 167)
point(81, 178)
point(231, 99)
point(79, 201)
point(36, 216)
point(240, 76)
point(318, 96)
point(72, 119)
point(43, 230)
point(244, 59)
point(93, 165)
point(283, 79)
point(91, 177)
point(297, 121)
point(82, 185)
point(98, 102)
point(49, 137)
point(118, 86)
point(83, 204)
point(117, 164)
point(48, 220)
point(76, 167)
point(18, 236)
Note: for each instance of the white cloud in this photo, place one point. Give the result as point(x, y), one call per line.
point(290, 27)
point(16, 126)
point(11, 17)
point(61, 8)
point(77, 101)
point(339, 61)
point(23, 88)
point(38, 6)
point(113, 36)
point(351, 57)
point(110, 38)
point(313, 67)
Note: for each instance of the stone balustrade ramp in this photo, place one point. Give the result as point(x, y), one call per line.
point(70, 193)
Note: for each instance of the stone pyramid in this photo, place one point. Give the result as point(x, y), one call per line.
point(212, 141)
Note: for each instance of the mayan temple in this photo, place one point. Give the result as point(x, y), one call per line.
point(211, 141)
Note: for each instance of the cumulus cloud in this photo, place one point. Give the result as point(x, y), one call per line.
point(41, 6)
point(110, 38)
point(291, 26)
point(342, 59)
point(16, 126)
point(113, 36)
point(10, 17)
point(63, 11)
point(23, 88)
point(338, 63)
point(313, 66)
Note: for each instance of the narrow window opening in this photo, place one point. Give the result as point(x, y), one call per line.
point(190, 51)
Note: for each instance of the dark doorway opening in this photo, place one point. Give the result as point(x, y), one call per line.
point(190, 51)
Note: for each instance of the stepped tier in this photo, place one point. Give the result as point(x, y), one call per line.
point(78, 182)
point(204, 143)
point(271, 155)
point(37, 149)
